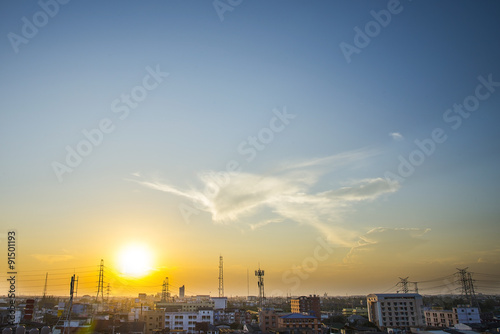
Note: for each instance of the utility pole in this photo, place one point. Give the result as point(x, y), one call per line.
point(70, 307)
point(468, 293)
point(100, 284)
point(168, 290)
point(221, 277)
point(403, 283)
point(45, 286)
point(76, 289)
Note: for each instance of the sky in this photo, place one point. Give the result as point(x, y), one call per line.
point(336, 145)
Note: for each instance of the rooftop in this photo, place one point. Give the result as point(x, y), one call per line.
point(297, 316)
point(394, 295)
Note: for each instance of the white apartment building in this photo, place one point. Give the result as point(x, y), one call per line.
point(186, 321)
point(220, 303)
point(467, 315)
point(395, 310)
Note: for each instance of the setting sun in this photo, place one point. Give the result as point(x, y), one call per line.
point(135, 260)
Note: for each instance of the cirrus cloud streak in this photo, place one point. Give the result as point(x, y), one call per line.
point(288, 193)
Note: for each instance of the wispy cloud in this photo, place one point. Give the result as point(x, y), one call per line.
point(384, 242)
point(265, 222)
point(491, 256)
point(287, 193)
point(396, 136)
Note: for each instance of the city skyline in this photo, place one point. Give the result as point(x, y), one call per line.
point(338, 146)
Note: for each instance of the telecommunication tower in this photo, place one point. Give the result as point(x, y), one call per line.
point(221, 277)
point(260, 274)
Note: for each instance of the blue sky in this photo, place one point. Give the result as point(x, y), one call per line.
point(321, 176)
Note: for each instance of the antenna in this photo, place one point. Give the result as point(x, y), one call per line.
point(221, 277)
point(248, 284)
point(260, 274)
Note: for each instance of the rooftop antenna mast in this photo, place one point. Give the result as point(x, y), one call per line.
point(221, 277)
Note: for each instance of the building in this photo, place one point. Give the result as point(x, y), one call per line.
point(440, 318)
point(220, 303)
point(186, 321)
point(463, 314)
point(308, 305)
point(267, 319)
point(231, 316)
point(185, 306)
point(154, 320)
point(362, 311)
point(182, 290)
point(297, 322)
point(467, 315)
point(395, 310)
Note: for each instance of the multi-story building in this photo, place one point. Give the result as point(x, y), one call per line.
point(219, 302)
point(154, 320)
point(267, 319)
point(395, 310)
point(440, 318)
point(463, 314)
point(186, 321)
point(299, 322)
point(185, 306)
point(230, 316)
point(467, 315)
point(309, 305)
